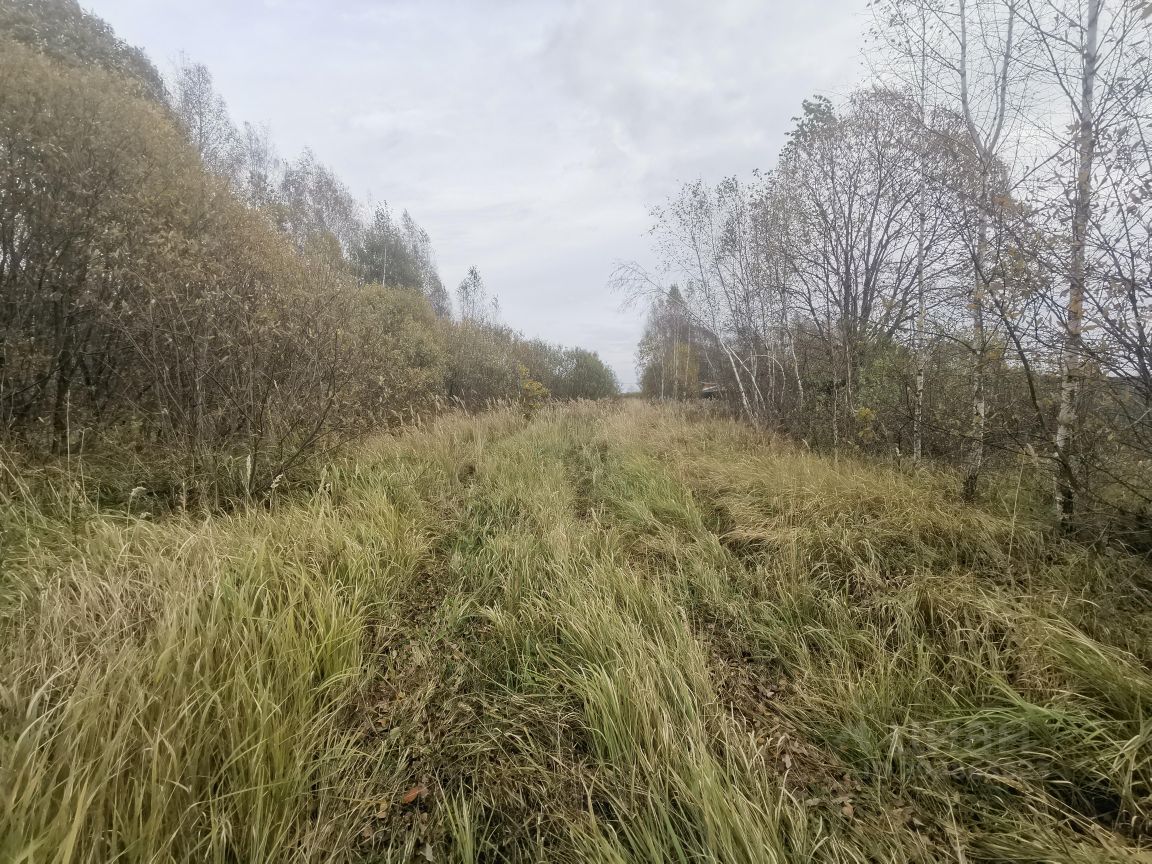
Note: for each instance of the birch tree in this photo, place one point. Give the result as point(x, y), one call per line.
point(1094, 60)
point(973, 51)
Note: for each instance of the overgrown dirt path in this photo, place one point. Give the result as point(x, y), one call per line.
point(612, 633)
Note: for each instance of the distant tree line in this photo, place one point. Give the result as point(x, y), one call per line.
point(167, 279)
point(954, 263)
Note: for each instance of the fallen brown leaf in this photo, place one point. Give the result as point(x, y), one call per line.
point(412, 794)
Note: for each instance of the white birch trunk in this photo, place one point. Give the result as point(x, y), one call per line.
point(1068, 419)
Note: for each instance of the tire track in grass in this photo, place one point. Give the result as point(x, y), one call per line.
point(482, 746)
point(607, 754)
point(733, 604)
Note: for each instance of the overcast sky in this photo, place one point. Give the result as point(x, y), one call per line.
point(529, 137)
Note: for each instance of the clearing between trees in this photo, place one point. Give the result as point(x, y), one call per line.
point(610, 633)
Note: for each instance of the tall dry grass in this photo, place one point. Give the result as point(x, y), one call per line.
point(613, 633)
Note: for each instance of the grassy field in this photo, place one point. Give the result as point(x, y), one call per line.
point(612, 634)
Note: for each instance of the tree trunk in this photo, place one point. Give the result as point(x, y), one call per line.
point(63, 379)
point(922, 218)
point(921, 346)
point(1067, 422)
point(987, 146)
point(975, 460)
point(60, 405)
point(921, 370)
point(740, 384)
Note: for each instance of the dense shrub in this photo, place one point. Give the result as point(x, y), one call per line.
point(169, 284)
